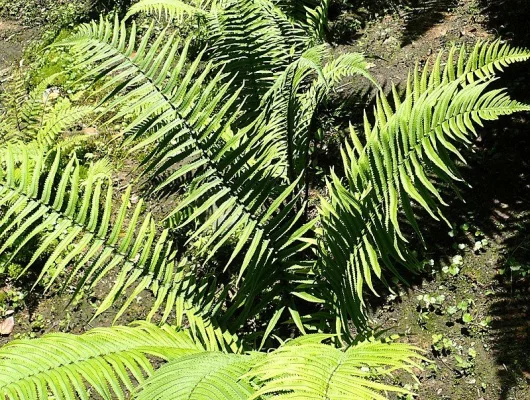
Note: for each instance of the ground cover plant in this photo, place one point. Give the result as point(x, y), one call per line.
point(221, 106)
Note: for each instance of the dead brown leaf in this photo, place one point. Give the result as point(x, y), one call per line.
point(6, 327)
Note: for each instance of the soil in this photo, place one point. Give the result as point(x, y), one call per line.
point(13, 39)
point(491, 279)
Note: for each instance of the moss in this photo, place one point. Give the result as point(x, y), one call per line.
point(14, 270)
point(3, 298)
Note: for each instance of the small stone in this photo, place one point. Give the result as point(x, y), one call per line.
point(6, 327)
point(391, 41)
point(89, 131)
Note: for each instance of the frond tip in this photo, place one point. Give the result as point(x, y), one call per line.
point(169, 8)
point(411, 139)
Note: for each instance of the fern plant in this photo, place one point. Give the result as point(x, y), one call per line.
point(226, 164)
point(112, 362)
point(37, 115)
point(246, 182)
point(417, 135)
point(228, 133)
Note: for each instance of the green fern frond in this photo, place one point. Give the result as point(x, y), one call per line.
point(34, 115)
point(108, 362)
point(417, 136)
point(112, 362)
point(292, 103)
point(58, 120)
point(188, 124)
point(307, 369)
point(481, 63)
point(301, 368)
point(73, 218)
point(172, 9)
point(254, 41)
point(312, 15)
point(202, 376)
point(12, 97)
point(487, 58)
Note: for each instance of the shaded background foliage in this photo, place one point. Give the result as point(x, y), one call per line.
point(60, 13)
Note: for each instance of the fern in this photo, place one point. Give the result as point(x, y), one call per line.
point(173, 9)
point(110, 361)
point(231, 131)
point(419, 135)
point(305, 368)
point(309, 15)
point(77, 231)
point(361, 233)
point(60, 118)
point(301, 368)
point(104, 361)
point(202, 376)
point(312, 15)
point(254, 41)
point(13, 99)
point(35, 116)
point(231, 184)
point(292, 103)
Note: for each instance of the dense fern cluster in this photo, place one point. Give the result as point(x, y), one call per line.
point(104, 360)
point(226, 121)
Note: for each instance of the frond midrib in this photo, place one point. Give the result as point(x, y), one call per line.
point(376, 207)
point(340, 361)
point(227, 183)
point(80, 360)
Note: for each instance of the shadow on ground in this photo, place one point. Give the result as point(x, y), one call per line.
point(347, 17)
point(499, 172)
point(506, 189)
point(422, 15)
point(508, 19)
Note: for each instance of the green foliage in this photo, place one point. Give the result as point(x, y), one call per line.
point(103, 361)
point(77, 231)
point(41, 115)
point(224, 123)
point(333, 373)
point(260, 150)
point(414, 136)
point(243, 183)
point(42, 12)
point(175, 9)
